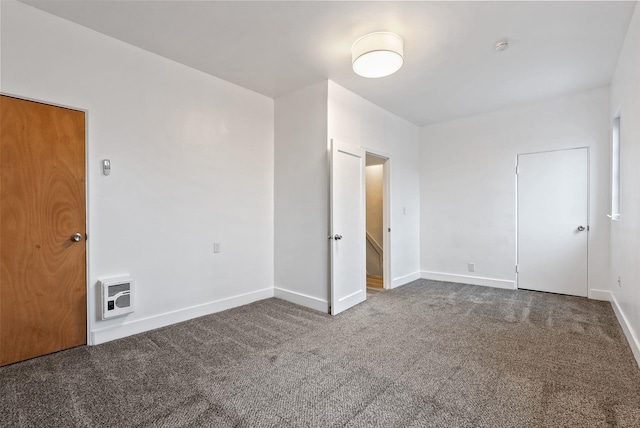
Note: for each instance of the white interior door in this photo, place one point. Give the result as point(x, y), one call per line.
point(347, 230)
point(553, 221)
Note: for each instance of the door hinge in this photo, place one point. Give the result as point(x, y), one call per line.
point(517, 269)
point(517, 170)
point(389, 229)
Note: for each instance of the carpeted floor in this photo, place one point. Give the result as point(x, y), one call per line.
point(426, 354)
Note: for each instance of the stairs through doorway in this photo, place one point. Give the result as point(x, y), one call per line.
point(374, 281)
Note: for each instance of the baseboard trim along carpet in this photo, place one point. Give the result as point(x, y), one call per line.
point(403, 280)
point(427, 354)
point(466, 279)
point(139, 326)
point(301, 299)
point(603, 295)
point(631, 336)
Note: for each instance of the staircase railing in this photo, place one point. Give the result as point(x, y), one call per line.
point(376, 246)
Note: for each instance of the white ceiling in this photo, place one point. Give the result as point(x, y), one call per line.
point(451, 69)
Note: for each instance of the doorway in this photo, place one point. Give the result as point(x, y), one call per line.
point(376, 172)
point(43, 287)
point(553, 222)
point(347, 224)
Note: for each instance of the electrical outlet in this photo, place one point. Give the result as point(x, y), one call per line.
point(471, 267)
point(216, 247)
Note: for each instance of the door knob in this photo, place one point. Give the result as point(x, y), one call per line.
point(580, 228)
point(76, 237)
point(337, 237)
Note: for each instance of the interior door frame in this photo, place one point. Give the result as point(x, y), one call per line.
point(86, 194)
point(386, 215)
point(588, 208)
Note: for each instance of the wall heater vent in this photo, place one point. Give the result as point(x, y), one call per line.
point(117, 296)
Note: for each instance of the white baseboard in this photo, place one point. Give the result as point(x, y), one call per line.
point(604, 295)
point(466, 279)
point(402, 280)
point(302, 299)
point(631, 336)
point(130, 328)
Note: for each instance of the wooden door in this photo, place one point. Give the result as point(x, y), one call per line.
point(42, 205)
point(348, 251)
point(553, 199)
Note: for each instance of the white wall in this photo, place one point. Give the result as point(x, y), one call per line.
point(305, 122)
point(0, 46)
point(468, 186)
point(355, 120)
point(301, 197)
point(625, 242)
point(192, 163)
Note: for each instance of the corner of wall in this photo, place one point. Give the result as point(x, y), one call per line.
point(602, 295)
point(301, 196)
point(623, 251)
point(301, 299)
point(627, 328)
point(405, 279)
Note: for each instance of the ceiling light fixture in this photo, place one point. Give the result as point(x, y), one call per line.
point(377, 54)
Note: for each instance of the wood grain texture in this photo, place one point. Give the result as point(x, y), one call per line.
point(42, 203)
point(375, 281)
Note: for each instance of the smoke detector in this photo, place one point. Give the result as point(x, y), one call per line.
point(502, 45)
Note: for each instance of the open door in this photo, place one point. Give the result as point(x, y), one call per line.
point(347, 228)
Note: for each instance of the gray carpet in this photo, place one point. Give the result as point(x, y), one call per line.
point(426, 354)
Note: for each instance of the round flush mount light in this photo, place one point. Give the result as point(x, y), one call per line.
point(377, 54)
